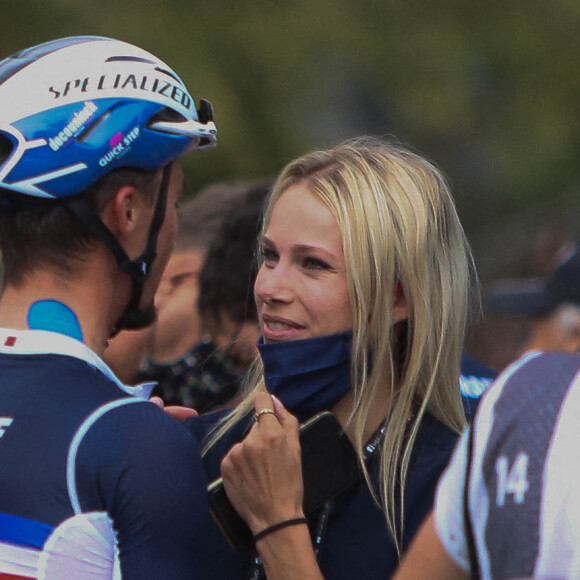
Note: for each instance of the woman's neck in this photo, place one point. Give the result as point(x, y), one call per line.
point(378, 412)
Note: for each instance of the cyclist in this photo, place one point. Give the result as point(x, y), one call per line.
point(96, 482)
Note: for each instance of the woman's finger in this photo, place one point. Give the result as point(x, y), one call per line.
point(286, 419)
point(264, 407)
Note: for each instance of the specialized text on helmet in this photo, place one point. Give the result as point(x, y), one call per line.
point(123, 82)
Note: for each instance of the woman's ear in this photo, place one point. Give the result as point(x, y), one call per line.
point(400, 311)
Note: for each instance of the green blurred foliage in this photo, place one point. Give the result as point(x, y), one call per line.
point(489, 90)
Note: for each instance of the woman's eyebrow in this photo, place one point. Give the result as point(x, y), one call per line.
point(265, 240)
point(301, 249)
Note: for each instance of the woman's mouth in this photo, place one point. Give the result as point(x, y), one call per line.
point(277, 328)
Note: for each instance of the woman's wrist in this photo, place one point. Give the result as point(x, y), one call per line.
point(288, 554)
point(285, 523)
point(258, 522)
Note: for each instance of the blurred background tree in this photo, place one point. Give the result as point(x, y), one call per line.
point(488, 90)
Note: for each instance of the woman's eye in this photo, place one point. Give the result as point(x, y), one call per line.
point(315, 264)
point(268, 255)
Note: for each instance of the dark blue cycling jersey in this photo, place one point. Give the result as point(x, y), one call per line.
point(95, 482)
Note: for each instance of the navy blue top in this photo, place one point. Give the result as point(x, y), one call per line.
point(357, 542)
point(135, 464)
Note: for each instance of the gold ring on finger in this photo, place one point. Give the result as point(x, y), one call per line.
point(263, 412)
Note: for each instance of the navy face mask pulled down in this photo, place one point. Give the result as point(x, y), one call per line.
point(309, 375)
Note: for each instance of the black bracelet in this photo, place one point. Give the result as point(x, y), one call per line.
point(278, 526)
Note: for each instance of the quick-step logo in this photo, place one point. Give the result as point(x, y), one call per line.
point(119, 144)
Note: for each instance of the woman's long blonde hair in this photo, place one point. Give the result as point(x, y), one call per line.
point(399, 225)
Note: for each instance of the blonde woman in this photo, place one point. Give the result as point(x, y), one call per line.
point(362, 297)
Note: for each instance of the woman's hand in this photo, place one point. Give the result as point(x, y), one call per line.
point(263, 473)
point(263, 479)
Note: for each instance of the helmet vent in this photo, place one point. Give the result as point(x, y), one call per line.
point(169, 74)
point(167, 114)
point(93, 126)
point(129, 59)
point(6, 148)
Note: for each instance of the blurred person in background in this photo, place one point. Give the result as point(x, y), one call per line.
point(497, 338)
point(176, 327)
point(549, 308)
point(207, 374)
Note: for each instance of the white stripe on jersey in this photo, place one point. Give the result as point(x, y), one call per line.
point(76, 441)
point(559, 549)
point(18, 561)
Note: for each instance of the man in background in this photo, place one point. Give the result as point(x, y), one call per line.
point(550, 306)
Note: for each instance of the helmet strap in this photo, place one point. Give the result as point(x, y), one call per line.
point(134, 316)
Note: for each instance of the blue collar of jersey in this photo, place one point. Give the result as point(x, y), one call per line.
point(32, 342)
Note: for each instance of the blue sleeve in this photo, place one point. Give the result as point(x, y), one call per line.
point(144, 469)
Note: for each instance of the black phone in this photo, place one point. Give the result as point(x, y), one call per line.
point(329, 466)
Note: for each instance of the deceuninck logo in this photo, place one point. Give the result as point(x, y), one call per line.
point(75, 127)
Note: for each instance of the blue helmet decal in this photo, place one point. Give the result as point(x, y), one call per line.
point(87, 140)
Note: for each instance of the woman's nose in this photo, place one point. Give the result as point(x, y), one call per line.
point(273, 285)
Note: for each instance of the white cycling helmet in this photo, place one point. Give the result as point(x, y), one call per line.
point(74, 109)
